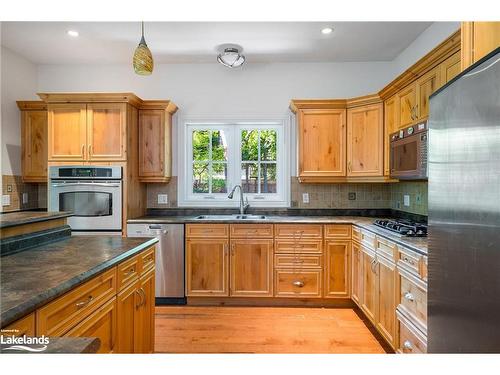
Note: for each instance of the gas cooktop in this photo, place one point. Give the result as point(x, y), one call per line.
point(404, 228)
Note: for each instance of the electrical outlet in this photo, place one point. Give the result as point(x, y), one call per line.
point(351, 196)
point(418, 198)
point(162, 198)
point(305, 197)
point(6, 200)
point(406, 200)
point(9, 188)
point(25, 198)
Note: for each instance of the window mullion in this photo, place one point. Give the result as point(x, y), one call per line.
point(210, 168)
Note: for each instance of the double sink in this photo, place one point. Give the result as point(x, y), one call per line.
point(231, 217)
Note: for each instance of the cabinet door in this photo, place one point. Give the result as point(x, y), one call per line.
point(357, 274)
point(106, 131)
point(337, 265)
point(387, 293)
point(322, 138)
point(450, 68)
point(127, 305)
point(100, 324)
point(251, 268)
point(365, 137)
point(407, 102)
point(207, 266)
point(144, 324)
point(67, 130)
point(21, 327)
point(478, 39)
point(154, 145)
point(426, 85)
point(34, 146)
point(369, 301)
point(391, 124)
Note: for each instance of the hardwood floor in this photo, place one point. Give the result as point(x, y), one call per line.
point(201, 329)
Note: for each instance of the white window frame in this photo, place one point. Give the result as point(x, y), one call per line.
point(233, 128)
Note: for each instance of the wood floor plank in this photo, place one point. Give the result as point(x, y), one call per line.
point(224, 329)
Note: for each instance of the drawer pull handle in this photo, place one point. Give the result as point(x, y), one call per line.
point(130, 272)
point(408, 260)
point(143, 293)
point(79, 305)
point(150, 259)
point(208, 230)
point(299, 284)
point(138, 291)
point(298, 261)
point(409, 296)
point(407, 345)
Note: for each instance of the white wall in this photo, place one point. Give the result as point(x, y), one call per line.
point(18, 82)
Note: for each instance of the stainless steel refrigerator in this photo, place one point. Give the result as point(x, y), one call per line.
point(464, 212)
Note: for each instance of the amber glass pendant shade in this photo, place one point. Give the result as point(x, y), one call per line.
point(143, 59)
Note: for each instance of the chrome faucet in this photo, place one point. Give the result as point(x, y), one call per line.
point(243, 205)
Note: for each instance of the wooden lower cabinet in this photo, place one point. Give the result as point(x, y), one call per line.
point(357, 273)
point(387, 292)
point(298, 283)
point(337, 268)
point(21, 327)
point(127, 304)
point(144, 325)
point(251, 268)
point(370, 290)
point(207, 267)
point(100, 324)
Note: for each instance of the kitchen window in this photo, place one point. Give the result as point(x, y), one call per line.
point(218, 156)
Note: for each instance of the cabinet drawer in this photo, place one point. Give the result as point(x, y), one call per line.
point(128, 271)
point(409, 260)
point(411, 340)
point(298, 247)
point(340, 231)
point(386, 248)
point(356, 234)
point(367, 239)
point(207, 230)
point(299, 232)
point(59, 316)
point(147, 260)
point(413, 301)
point(299, 261)
point(305, 283)
point(21, 327)
point(251, 231)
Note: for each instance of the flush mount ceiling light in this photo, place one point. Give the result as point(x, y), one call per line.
point(143, 59)
point(327, 30)
point(73, 33)
point(231, 57)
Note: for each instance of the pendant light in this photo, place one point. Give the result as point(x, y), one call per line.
point(143, 59)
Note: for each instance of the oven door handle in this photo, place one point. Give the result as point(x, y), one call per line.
point(103, 184)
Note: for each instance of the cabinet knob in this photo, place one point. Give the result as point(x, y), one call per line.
point(407, 345)
point(299, 284)
point(409, 296)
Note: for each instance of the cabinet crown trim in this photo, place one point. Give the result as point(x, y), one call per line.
point(31, 105)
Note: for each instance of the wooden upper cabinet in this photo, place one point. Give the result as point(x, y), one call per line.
point(337, 268)
point(251, 268)
point(365, 140)
point(426, 85)
point(106, 131)
point(407, 99)
point(322, 142)
point(391, 124)
point(67, 132)
point(478, 39)
point(207, 267)
point(33, 141)
point(450, 68)
point(155, 141)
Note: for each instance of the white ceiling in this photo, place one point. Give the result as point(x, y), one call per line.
point(193, 42)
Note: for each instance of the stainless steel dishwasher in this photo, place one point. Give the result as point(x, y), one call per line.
point(169, 285)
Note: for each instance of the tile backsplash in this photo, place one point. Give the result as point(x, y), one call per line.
point(15, 187)
point(332, 196)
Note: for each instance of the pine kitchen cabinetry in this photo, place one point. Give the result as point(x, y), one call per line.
point(337, 266)
point(116, 306)
point(155, 140)
point(391, 124)
point(33, 140)
point(478, 39)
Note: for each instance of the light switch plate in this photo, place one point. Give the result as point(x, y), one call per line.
point(6, 200)
point(406, 200)
point(162, 198)
point(25, 198)
point(305, 197)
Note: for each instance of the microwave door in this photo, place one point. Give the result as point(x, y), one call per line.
point(405, 161)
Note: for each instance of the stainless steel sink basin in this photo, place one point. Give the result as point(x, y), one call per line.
point(230, 217)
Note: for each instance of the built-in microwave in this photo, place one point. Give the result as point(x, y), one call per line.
point(408, 152)
point(92, 193)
